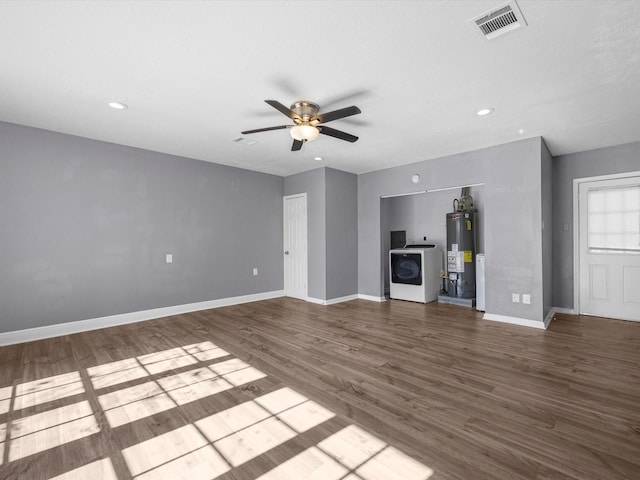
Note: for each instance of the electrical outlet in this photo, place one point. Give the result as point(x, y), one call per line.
point(515, 297)
point(255, 272)
point(526, 298)
point(169, 258)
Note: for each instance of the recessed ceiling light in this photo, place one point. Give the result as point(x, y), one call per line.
point(318, 158)
point(484, 111)
point(521, 131)
point(118, 105)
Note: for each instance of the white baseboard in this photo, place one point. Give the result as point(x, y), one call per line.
point(514, 320)
point(317, 301)
point(371, 298)
point(332, 301)
point(348, 298)
point(50, 331)
point(555, 310)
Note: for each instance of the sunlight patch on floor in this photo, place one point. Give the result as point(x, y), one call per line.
point(199, 390)
point(140, 401)
point(114, 373)
point(170, 364)
point(133, 403)
point(187, 378)
point(352, 446)
point(370, 458)
point(140, 409)
point(50, 429)
point(201, 464)
point(279, 400)
point(231, 420)
point(392, 464)
point(240, 433)
point(173, 448)
point(305, 416)
point(5, 399)
point(98, 470)
point(205, 351)
point(312, 464)
point(118, 376)
point(3, 435)
point(47, 389)
point(207, 448)
point(253, 441)
point(353, 451)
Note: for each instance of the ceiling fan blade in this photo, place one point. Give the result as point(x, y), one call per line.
point(336, 114)
point(332, 132)
point(246, 132)
point(282, 109)
point(297, 145)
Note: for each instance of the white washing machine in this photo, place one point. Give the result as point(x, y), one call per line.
point(415, 273)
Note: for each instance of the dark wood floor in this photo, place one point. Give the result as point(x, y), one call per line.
point(464, 398)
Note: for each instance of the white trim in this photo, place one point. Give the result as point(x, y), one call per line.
point(50, 331)
point(549, 317)
point(371, 298)
point(348, 298)
point(553, 312)
point(393, 195)
point(613, 176)
point(458, 187)
point(306, 240)
point(515, 320)
point(317, 301)
point(568, 311)
point(332, 301)
point(576, 246)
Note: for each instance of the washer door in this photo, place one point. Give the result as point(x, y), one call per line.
point(406, 268)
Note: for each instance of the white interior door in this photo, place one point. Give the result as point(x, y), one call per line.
point(609, 238)
point(295, 246)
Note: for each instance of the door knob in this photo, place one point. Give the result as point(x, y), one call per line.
point(286, 252)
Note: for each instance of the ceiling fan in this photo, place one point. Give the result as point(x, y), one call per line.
point(309, 123)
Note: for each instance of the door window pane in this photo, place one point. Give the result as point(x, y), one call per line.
point(613, 220)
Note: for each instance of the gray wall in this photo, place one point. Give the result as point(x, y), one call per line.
point(512, 219)
point(342, 233)
point(313, 184)
point(566, 168)
point(332, 226)
point(425, 215)
point(86, 226)
point(547, 229)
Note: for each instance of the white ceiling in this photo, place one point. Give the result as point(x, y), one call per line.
point(195, 74)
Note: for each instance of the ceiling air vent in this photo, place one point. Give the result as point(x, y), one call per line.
point(500, 20)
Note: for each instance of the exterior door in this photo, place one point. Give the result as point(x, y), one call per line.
point(609, 250)
point(295, 246)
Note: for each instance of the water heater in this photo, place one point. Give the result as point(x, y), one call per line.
point(461, 254)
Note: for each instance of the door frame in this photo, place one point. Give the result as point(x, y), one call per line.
point(576, 227)
point(284, 226)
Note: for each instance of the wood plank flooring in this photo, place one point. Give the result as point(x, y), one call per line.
point(283, 389)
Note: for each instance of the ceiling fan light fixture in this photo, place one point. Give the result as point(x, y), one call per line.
point(304, 132)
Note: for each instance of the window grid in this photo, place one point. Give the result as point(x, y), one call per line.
point(613, 221)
